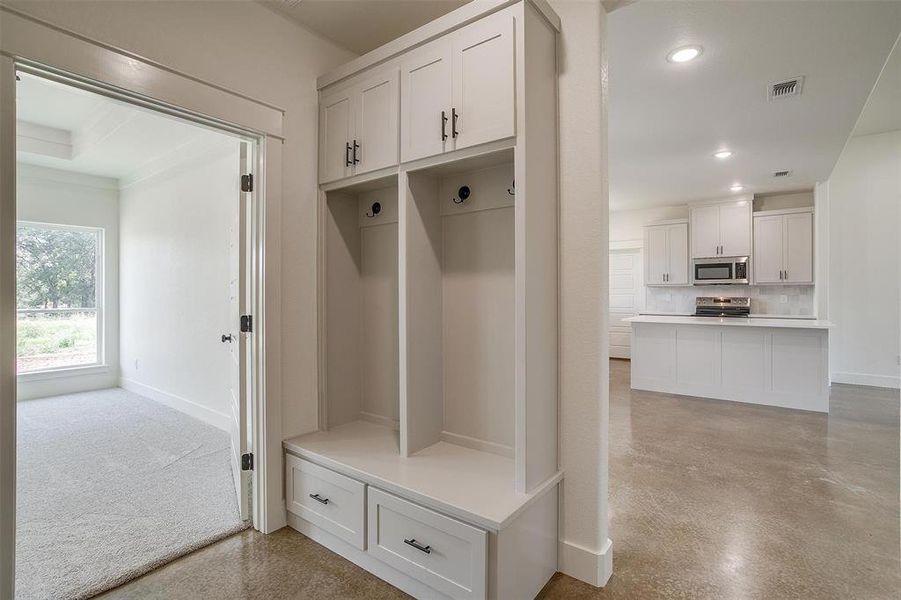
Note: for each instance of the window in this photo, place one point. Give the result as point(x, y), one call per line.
point(58, 282)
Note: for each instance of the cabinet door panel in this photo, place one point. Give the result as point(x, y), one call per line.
point(677, 254)
point(768, 251)
point(735, 229)
point(484, 81)
point(425, 92)
point(705, 231)
point(335, 131)
point(798, 248)
point(655, 251)
point(376, 122)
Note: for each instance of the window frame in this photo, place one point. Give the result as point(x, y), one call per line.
point(99, 364)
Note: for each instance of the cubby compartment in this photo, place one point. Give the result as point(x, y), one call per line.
point(361, 306)
point(459, 324)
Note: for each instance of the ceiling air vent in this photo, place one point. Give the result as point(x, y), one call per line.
point(785, 89)
point(781, 173)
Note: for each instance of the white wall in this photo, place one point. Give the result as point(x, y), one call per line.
point(627, 225)
point(585, 548)
point(174, 293)
point(781, 201)
point(864, 200)
point(46, 195)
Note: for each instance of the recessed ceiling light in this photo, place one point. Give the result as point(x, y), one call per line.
point(684, 54)
point(737, 187)
point(722, 154)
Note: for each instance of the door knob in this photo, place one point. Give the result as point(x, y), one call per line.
point(226, 338)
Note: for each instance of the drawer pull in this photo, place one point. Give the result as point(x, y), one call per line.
point(418, 546)
point(319, 498)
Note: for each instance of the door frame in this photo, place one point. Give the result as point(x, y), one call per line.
point(636, 245)
point(30, 44)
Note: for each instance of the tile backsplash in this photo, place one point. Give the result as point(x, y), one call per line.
point(766, 300)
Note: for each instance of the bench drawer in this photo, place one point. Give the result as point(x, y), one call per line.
point(326, 499)
point(443, 553)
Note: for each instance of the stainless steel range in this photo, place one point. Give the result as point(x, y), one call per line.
point(722, 306)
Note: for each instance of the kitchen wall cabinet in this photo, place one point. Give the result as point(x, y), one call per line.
point(783, 247)
point(666, 254)
point(721, 229)
point(358, 126)
point(458, 91)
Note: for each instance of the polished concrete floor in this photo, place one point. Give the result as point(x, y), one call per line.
point(708, 499)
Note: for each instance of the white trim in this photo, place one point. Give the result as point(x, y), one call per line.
point(679, 221)
point(586, 565)
point(380, 420)
point(883, 381)
point(432, 30)
point(189, 407)
point(63, 373)
point(782, 211)
point(627, 245)
point(477, 444)
point(27, 172)
point(749, 198)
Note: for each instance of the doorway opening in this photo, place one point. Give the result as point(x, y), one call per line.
point(134, 354)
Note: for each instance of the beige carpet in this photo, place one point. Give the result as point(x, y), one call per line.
point(111, 485)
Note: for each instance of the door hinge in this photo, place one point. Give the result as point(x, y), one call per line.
point(247, 182)
point(246, 323)
point(247, 462)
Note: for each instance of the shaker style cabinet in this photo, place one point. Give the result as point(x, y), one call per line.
point(358, 127)
point(458, 91)
point(722, 229)
point(666, 254)
point(783, 247)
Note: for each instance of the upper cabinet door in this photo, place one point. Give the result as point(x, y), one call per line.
point(425, 96)
point(677, 254)
point(335, 136)
point(705, 231)
point(655, 255)
point(483, 82)
point(768, 251)
point(377, 112)
point(798, 245)
point(735, 229)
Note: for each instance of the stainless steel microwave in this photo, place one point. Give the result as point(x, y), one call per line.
point(731, 270)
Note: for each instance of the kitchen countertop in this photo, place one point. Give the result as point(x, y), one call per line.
point(752, 321)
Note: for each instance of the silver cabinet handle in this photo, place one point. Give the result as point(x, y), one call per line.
point(418, 546)
point(319, 498)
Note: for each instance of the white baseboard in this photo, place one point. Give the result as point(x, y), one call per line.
point(476, 444)
point(884, 381)
point(198, 411)
point(586, 565)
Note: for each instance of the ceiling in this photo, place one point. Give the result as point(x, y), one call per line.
point(67, 128)
point(362, 25)
point(666, 120)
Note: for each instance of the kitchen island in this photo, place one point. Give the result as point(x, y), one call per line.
point(773, 361)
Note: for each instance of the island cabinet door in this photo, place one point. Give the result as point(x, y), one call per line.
point(768, 249)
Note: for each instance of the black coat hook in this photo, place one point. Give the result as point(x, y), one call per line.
point(464, 193)
point(374, 210)
point(512, 190)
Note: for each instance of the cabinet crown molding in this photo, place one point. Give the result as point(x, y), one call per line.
point(783, 211)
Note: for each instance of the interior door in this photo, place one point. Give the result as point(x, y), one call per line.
point(705, 231)
point(768, 249)
point(677, 254)
point(625, 298)
point(238, 343)
point(335, 133)
point(425, 93)
point(735, 229)
point(376, 115)
point(656, 261)
point(484, 81)
point(798, 259)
